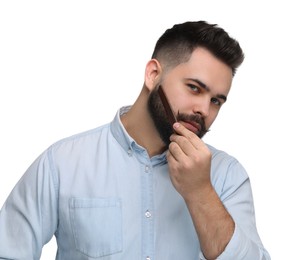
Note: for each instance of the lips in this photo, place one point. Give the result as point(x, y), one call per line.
point(192, 126)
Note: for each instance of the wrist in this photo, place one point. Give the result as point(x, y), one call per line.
point(203, 195)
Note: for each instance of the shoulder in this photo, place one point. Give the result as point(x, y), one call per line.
point(81, 143)
point(83, 137)
point(226, 170)
point(221, 157)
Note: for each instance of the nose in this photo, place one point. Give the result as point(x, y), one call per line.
point(202, 107)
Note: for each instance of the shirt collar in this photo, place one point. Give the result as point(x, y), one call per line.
point(125, 140)
point(119, 131)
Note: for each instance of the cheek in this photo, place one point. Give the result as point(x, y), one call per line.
point(179, 102)
point(181, 105)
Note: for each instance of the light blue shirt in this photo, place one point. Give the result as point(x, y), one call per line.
point(103, 198)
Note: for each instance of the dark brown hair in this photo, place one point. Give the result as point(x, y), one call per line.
point(176, 45)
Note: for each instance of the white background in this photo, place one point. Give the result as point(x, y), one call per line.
point(67, 66)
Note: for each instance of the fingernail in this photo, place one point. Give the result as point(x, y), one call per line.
point(176, 125)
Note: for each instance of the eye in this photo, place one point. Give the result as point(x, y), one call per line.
point(194, 88)
point(216, 101)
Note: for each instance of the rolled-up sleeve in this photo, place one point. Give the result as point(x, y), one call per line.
point(28, 218)
point(241, 247)
point(236, 194)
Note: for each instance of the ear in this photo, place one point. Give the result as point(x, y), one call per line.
point(153, 73)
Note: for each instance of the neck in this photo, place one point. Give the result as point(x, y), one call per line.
point(139, 125)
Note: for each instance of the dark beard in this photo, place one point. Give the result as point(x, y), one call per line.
point(161, 122)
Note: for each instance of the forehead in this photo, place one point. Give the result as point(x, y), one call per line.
point(204, 66)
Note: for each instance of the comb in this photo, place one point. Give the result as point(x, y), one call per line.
point(166, 105)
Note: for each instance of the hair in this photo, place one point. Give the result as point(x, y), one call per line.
point(176, 45)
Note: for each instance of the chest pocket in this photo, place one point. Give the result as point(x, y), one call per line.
point(96, 225)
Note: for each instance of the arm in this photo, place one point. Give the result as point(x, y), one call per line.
point(28, 218)
point(224, 229)
point(212, 222)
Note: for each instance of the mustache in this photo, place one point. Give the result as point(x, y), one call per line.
point(197, 118)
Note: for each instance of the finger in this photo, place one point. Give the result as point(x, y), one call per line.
point(186, 146)
point(170, 158)
point(192, 137)
point(175, 152)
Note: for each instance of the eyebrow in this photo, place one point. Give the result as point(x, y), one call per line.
point(205, 87)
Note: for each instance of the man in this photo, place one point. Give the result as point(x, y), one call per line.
point(140, 188)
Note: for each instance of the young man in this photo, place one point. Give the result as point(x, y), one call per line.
point(138, 187)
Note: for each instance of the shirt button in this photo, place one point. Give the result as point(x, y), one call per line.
point(148, 258)
point(129, 152)
point(148, 214)
point(146, 168)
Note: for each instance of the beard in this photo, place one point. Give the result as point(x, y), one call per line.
point(161, 121)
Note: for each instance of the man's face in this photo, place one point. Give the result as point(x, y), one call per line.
point(196, 91)
point(161, 121)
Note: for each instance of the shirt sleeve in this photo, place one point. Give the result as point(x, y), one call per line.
point(28, 218)
point(236, 195)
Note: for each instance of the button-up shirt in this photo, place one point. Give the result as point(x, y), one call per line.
point(103, 197)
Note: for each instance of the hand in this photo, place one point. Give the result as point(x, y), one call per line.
point(189, 161)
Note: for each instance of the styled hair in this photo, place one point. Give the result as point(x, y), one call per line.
point(176, 45)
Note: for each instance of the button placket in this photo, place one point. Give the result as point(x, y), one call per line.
point(147, 207)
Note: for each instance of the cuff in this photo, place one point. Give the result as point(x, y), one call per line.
point(235, 249)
